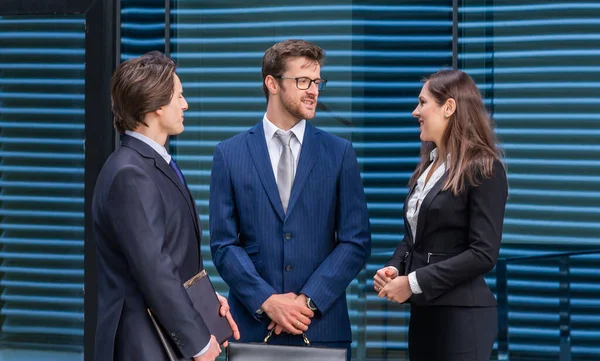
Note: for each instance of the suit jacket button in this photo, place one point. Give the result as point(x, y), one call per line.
point(288, 267)
point(288, 236)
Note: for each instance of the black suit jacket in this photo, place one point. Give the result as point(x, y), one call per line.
point(148, 244)
point(457, 243)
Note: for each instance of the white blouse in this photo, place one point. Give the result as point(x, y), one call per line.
point(414, 206)
point(421, 191)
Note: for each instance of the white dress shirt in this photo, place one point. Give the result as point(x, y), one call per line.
point(414, 206)
point(160, 149)
point(274, 146)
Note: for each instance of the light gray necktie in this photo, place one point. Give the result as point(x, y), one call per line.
point(285, 168)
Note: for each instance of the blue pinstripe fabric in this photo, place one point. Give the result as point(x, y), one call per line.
point(327, 225)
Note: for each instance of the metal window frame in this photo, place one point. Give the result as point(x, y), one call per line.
point(454, 34)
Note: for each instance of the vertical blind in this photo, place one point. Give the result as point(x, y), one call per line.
point(41, 182)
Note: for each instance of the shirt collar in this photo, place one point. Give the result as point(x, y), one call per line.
point(271, 128)
point(152, 143)
point(434, 154)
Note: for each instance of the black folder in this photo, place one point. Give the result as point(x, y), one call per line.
point(205, 301)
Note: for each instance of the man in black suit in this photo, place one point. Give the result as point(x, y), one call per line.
point(146, 225)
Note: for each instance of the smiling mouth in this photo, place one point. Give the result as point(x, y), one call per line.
point(310, 103)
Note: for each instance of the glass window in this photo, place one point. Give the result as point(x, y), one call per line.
point(41, 187)
point(377, 53)
point(537, 64)
point(142, 27)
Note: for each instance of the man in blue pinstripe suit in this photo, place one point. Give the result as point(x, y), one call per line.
point(288, 218)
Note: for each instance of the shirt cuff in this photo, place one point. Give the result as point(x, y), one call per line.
point(414, 284)
point(204, 350)
point(259, 311)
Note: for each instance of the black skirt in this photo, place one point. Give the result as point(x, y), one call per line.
point(448, 333)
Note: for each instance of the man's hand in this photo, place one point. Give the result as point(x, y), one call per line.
point(398, 290)
point(224, 310)
point(213, 351)
point(384, 276)
point(301, 299)
point(287, 314)
point(278, 328)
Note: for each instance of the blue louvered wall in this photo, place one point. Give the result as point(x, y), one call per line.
point(377, 52)
point(535, 61)
point(41, 182)
point(537, 64)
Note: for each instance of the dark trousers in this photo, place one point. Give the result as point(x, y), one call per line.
point(293, 340)
point(452, 333)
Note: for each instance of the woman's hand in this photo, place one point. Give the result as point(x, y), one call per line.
point(398, 290)
point(383, 277)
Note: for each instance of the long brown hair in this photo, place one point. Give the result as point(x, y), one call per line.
point(469, 137)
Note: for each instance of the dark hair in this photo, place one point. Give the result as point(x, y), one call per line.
point(469, 137)
point(140, 86)
point(274, 60)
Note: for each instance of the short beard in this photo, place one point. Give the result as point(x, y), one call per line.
point(295, 110)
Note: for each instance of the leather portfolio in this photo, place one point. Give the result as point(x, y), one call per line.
point(205, 301)
point(240, 351)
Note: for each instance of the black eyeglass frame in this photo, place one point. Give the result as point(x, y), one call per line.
point(320, 83)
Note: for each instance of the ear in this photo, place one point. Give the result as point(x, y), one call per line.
point(159, 111)
point(449, 108)
point(272, 84)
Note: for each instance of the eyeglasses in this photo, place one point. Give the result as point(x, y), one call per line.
point(304, 82)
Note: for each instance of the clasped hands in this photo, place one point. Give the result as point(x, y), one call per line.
point(390, 286)
point(288, 312)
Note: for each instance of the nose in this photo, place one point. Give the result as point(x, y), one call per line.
point(184, 104)
point(313, 88)
point(416, 112)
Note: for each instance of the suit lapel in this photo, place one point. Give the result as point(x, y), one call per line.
point(308, 156)
point(257, 144)
point(426, 203)
point(168, 171)
point(159, 162)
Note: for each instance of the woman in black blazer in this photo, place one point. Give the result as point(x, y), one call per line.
point(453, 219)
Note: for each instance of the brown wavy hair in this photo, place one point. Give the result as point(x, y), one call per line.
point(469, 137)
point(274, 61)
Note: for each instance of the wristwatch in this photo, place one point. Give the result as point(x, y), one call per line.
point(310, 304)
